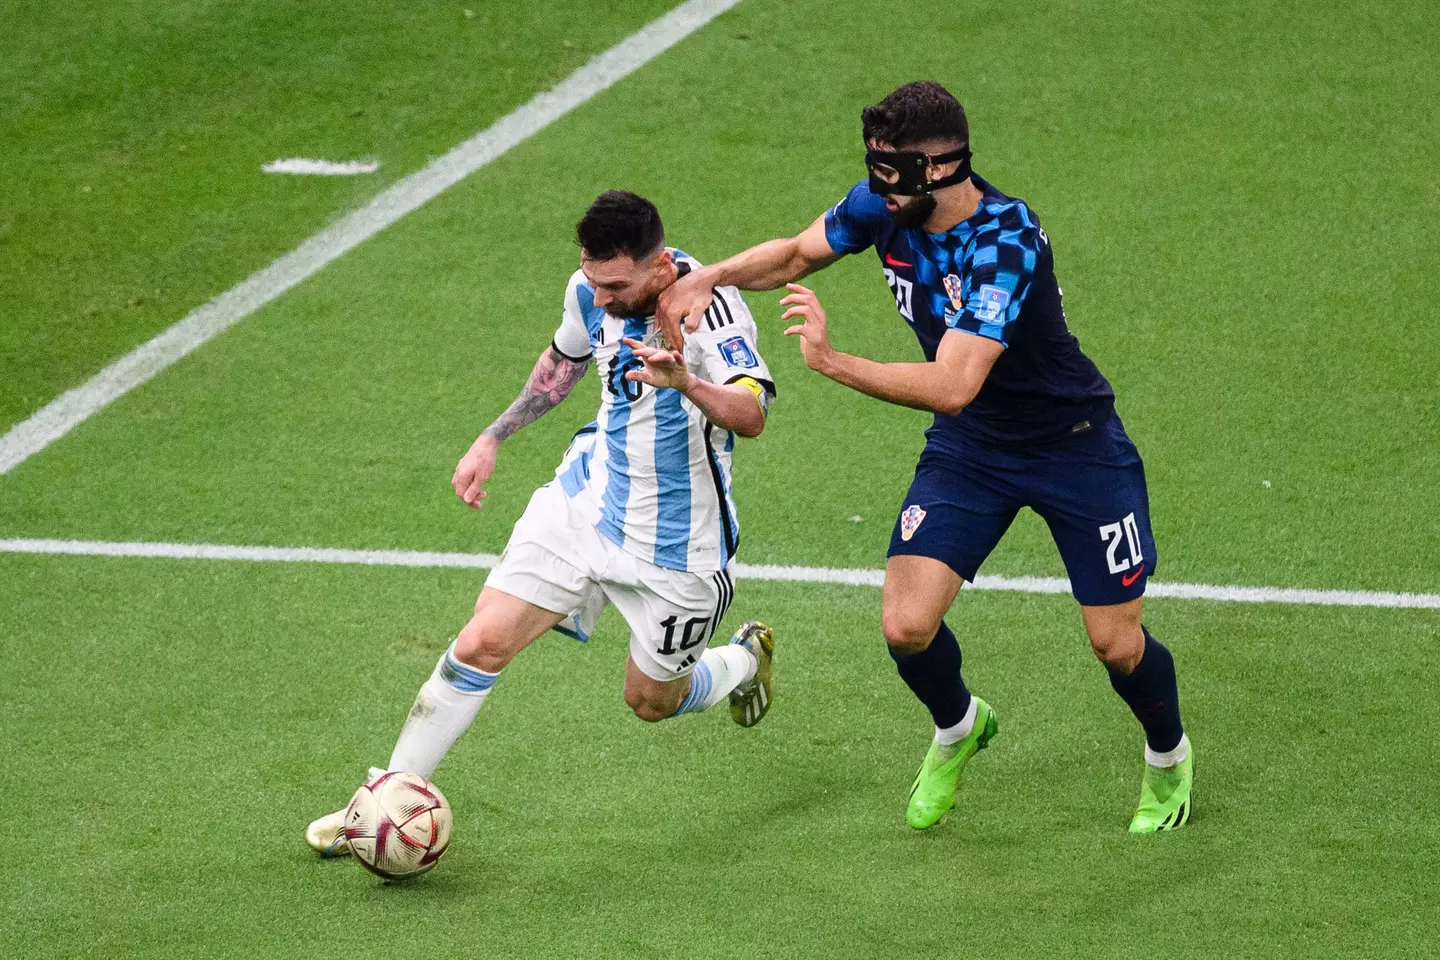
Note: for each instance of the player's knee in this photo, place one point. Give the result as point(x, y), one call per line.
point(481, 646)
point(906, 633)
point(1119, 647)
point(648, 708)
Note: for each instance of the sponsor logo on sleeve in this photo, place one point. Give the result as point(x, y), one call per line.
point(737, 353)
point(910, 521)
point(993, 301)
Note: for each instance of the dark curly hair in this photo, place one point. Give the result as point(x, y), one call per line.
point(620, 223)
point(918, 111)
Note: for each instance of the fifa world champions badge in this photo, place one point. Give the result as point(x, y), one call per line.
point(957, 300)
point(910, 521)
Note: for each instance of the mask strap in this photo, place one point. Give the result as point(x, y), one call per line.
point(961, 174)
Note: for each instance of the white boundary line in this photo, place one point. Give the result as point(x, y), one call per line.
point(851, 577)
point(73, 407)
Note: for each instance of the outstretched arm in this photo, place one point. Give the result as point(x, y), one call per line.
point(554, 376)
point(765, 266)
point(946, 386)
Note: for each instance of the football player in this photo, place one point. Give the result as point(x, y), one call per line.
point(640, 512)
point(1023, 418)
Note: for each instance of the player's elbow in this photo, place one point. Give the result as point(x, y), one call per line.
point(953, 399)
point(751, 428)
point(952, 403)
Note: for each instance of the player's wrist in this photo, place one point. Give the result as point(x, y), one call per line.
point(828, 362)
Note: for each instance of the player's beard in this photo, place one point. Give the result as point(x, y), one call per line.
point(913, 215)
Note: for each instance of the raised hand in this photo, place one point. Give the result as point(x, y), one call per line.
point(663, 368)
point(682, 306)
point(813, 329)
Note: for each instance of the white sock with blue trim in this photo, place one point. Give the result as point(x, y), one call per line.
point(444, 708)
point(720, 670)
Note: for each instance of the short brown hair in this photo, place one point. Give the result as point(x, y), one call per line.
point(918, 111)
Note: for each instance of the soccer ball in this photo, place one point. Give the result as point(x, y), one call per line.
point(398, 825)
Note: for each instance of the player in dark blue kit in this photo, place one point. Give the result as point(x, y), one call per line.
point(1022, 419)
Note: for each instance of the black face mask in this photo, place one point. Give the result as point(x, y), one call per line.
point(902, 172)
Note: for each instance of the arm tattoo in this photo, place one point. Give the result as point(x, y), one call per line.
point(554, 376)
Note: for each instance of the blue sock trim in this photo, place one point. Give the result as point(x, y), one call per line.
point(701, 683)
point(462, 676)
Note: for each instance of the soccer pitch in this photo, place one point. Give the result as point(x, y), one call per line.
point(1242, 202)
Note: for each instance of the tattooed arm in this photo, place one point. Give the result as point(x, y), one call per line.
point(554, 376)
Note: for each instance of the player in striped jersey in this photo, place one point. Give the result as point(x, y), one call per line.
point(639, 514)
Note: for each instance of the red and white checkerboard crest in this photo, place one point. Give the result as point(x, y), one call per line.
point(957, 297)
point(910, 520)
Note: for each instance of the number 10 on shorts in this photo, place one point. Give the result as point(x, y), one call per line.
point(1113, 533)
point(693, 633)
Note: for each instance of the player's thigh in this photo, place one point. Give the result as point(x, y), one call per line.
point(672, 615)
point(953, 515)
point(1098, 512)
point(500, 628)
point(542, 578)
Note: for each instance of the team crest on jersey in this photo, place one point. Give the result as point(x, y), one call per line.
point(910, 521)
point(993, 301)
point(737, 353)
point(952, 287)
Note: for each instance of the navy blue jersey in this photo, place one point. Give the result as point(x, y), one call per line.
point(991, 275)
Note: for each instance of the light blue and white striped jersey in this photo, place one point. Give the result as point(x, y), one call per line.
point(651, 472)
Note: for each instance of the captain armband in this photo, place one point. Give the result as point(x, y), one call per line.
point(762, 396)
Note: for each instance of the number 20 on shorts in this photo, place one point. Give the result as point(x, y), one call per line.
point(1128, 531)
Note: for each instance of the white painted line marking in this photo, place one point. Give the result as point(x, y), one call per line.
point(321, 168)
point(73, 407)
point(745, 571)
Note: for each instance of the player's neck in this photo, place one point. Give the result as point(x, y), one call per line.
point(953, 205)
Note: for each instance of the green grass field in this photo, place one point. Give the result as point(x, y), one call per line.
point(1242, 201)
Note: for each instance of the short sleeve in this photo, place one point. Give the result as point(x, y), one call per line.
point(996, 279)
point(726, 347)
point(853, 224)
point(572, 337)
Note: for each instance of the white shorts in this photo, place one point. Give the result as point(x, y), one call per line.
point(558, 561)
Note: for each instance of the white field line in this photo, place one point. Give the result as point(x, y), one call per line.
point(852, 577)
point(304, 166)
point(73, 407)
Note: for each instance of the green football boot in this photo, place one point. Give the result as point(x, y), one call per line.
point(750, 701)
point(933, 793)
point(1165, 796)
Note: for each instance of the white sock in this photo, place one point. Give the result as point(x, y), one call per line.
point(720, 670)
point(1170, 757)
point(444, 708)
point(945, 736)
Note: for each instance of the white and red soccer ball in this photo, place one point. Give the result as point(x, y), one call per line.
point(398, 825)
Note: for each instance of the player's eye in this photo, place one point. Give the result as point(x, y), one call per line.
point(885, 172)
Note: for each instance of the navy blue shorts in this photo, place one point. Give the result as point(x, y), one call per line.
point(1090, 490)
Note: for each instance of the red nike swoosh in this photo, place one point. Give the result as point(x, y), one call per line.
point(1127, 581)
point(891, 261)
